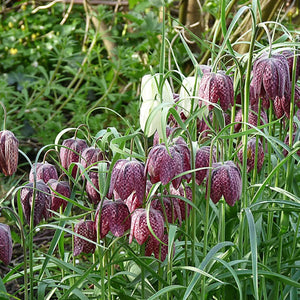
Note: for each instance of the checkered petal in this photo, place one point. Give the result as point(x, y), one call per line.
point(86, 229)
point(5, 244)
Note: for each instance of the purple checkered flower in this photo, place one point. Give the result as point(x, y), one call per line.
point(87, 230)
point(9, 146)
point(202, 161)
point(252, 118)
point(42, 201)
point(128, 176)
point(59, 187)
point(115, 217)
point(290, 59)
point(214, 88)
point(71, 152)
point(251, 146)
point(5, 244)
point(168, 205)
point(160, 250)
point(271, 78)
point(164, 166)
point(185, 192)
point(139, 225)
point(93, 191)
point(90, 156)
point(225, 181)
point(44, 171)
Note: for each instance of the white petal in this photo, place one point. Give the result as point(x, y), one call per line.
point(187, 94)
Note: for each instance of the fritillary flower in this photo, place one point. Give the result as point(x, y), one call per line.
point(216, 87)
point(225, 181)
point(251, 147)
point(271, 78)
point(71, 152)
point(139, 225)
point(114, 217)
point(164, 164)
point(9, 145)
point(5, 244)
point(202, 161)
point(87, 230)
point(44, 171)
point(42, 201)
point(59, 187)
point(128, 176)
point(160, 250)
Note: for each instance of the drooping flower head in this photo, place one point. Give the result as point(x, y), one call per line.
point(160, 250)
point(128, 176)
point(290, 59)
point(252, 118)
point(163, 165)
point(92, 188)
point(42, 201)
point(87, 230)
point(251, 148)
point(169, 206)
point(139, 226)
point(214, 88)
point(5, 244)
point(185, 192)
point(9, 145)
point(71, 152)
point(44, 171)
point(152, 98)
point(271, 78)
point(225, 181)
point(114, 217)
point(90, 156)
point(202, 161)
point(59, 187)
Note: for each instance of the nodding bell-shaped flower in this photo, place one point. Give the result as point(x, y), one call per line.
point(185, 192)
point(251, 146)
point(216, 87)
point(133, 202)
point(5, 244)
point(160, 250)
point(287, 142)
point(225, 180)
point(139, 225)
point(59, 187)
point(252, 118)
point(44, 171)
point(163, 166)
point(115, 217)
point(42, 201)
point(202, 161)
point(87, 230)
point(290, 59)
point(90, 156)
point(93, 191)
point(71, 152)
point(170, 206)
point(271, 77)
point(128, 176)
point(152, 98)
point(9, 146)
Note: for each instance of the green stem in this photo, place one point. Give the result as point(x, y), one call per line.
point(5, 114)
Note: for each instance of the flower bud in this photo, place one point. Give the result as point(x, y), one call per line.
point(5, 244)
point(8, 152)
